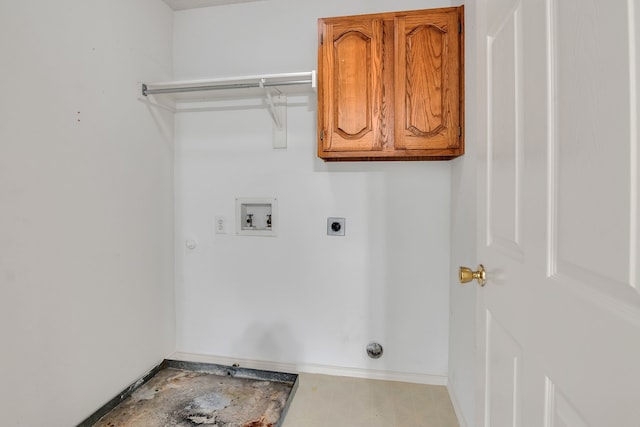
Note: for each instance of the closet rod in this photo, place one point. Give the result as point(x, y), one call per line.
point(146, 91)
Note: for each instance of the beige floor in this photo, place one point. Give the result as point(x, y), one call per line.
point(328, 401)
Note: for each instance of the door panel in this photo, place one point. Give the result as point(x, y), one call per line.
point(352, 115)
point(559, 237)
point(504, 375)
point(504, 135)
point(587, 201)
point(351, 94)
point(559, 412)
point(427, 80)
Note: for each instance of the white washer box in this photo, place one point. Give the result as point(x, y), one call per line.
point(256, 216)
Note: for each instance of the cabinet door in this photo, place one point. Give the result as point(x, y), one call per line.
point(427, 82)
point(350, 85)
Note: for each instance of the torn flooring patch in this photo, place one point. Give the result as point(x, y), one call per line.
point(180, 397)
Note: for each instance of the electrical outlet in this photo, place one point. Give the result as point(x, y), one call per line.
point(221, 225)
point(336, 226)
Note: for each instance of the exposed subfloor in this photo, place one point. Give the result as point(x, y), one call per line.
point(178, 397)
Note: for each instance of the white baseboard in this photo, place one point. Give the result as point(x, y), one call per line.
point(314, 369)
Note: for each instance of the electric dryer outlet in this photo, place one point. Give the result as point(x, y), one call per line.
point(336, 226)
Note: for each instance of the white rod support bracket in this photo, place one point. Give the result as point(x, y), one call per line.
point(274, 107)
point(278, 110)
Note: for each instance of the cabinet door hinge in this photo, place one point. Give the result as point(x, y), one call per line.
point(459, 27)
point(321, 38)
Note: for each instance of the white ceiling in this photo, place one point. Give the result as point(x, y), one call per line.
point(193, 4)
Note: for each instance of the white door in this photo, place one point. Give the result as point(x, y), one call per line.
point(559, 317)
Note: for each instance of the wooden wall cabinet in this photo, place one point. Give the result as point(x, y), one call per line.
point(391, 86)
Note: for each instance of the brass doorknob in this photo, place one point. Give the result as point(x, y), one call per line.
point(467, 275)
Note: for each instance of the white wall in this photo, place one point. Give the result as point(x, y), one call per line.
point(463, 241)
point(303, 297)
point(86, 218)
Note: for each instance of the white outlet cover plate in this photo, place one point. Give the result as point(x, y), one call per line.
point(220, 225)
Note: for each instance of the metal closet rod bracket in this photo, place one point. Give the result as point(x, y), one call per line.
point(276, 112)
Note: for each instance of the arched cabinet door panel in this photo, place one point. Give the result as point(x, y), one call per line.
point(351, 89)
point(427, 82)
